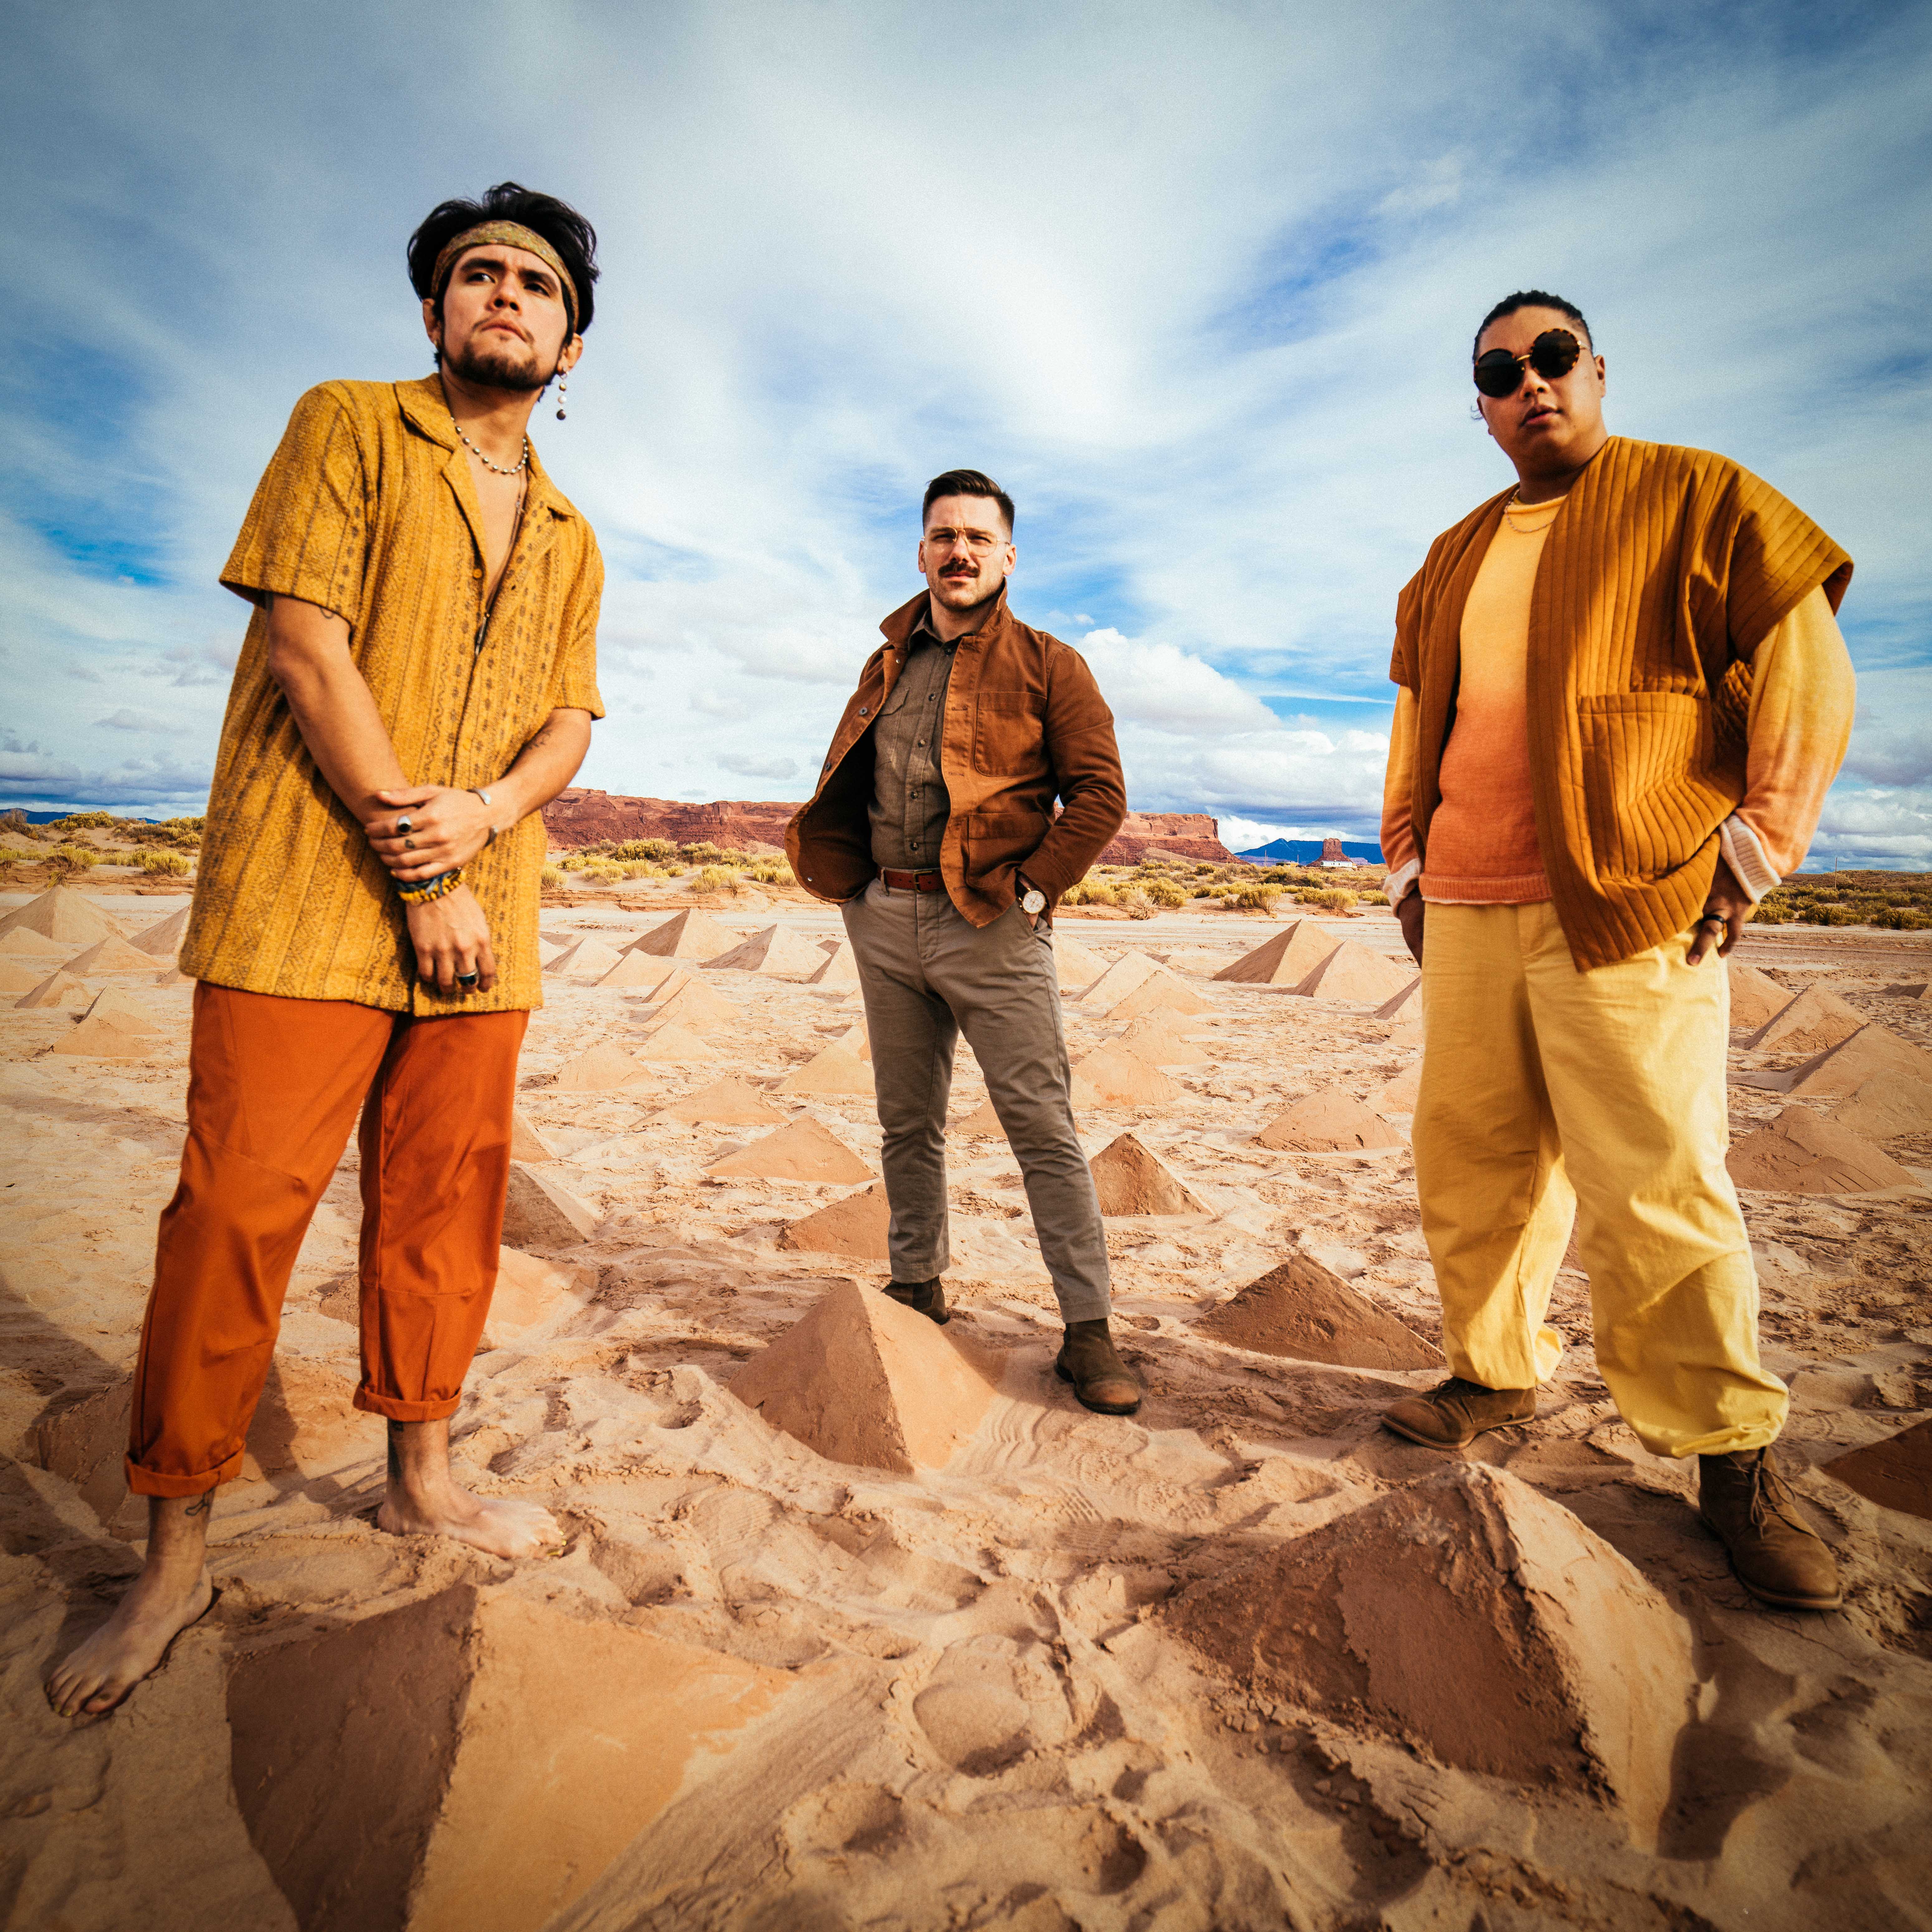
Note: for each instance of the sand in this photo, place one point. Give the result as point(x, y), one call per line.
point(696, 1005)
point(1817, 1019)
point(776, 950)
point(163, 939)
point(1329, 1121)
point(805, 1150)
point(688, 935)
point(840, 967)
point(111, 954)
point(540, 1212)
point(23, 942)
point(589, 958)
point(1131, 1181)
point(645, 972)
point(1158, 991)
point(961, 1692)
point(1285, 960)
point(1113, 1073)
point(63, 915)
point(1800, 1154)
point(1303, 1310)
point(59, 988)
point(1354, 974)
point(599, 1069)
point(1756, 997)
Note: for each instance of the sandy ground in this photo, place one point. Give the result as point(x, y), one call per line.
point(1059, 1679)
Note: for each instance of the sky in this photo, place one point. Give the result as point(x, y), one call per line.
point(1196, 284)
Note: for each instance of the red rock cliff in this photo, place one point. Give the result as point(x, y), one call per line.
point(1187, 834)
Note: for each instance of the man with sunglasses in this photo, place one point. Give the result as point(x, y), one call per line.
point(934, 828)
point(1622, 695)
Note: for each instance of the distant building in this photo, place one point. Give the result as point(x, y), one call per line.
point(1334, 858)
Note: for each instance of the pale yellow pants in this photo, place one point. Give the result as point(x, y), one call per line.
point(1550, 1095)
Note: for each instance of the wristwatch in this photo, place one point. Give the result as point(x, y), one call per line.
point(1033, 901)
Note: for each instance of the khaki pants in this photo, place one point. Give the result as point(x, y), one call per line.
point(274, 1086)
point(1549, 1094)
point(927, 974)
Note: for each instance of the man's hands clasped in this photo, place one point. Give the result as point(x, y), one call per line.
point(423, 832)
point(1726, 906)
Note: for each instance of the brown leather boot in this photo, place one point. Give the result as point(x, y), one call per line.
point(1456, 1412)
point(1778, 1557)
point(922, 1298)
point(1089, 1360)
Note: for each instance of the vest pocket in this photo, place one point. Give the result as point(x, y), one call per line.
point(1653, 791)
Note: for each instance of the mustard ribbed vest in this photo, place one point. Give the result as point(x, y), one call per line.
point(1664, 572)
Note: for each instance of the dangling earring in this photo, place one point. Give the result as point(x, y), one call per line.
point(563, 390)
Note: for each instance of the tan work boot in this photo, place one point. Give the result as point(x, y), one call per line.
point(922, 1298)
point(1778, 1557)
point(1455, 1412)
point(1089, 1360)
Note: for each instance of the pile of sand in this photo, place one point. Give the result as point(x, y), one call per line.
point(59, 988)
point(805, 1150)
point(1405, 1008)
point(840, 966)
point(834, 1070)
point(526, 1142)
point(862, 1380)
point(1285, 960)
point(1329, 1121)
point(1800, 1153)
point(1398, 1096)
point(17, 978)
point(1125, 1079)
point(587, 958)
point(1076, 967)
point(646, 972)
point(599, 1069)
point(532, 1296)
point(110, 955)
point(673, 1042)
point(1130, 1180)
point(687, 935)
point(1156, 1038)
point(777, 952)
point(1195, 959)
point(163, 939)
point(983, 1122)
point(541, 1213)
point(63, 918)
point(1756, 998)
point(1895, 1473)
point(1813, 1022)
point(23, 942)
point(373, 1759)
point(1306, 1311)
point(1160, 991)
point(727, 1102)
point(1469, 1615)
point(1354, 975)
point(855, 1040)
point(114, 1033)
point(1871, 1054)
point(1120, 978)
point(693, 1004)
point(855, 1227)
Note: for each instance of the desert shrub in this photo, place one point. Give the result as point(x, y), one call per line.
point(83, 821)
point(72, 858)
point(703, 853)
point(601, 872)
point(553, 878)
point(168, 864)
point(774, 872)
point(182, 835)
point(1165, 893)
point(1256, 898)
point(1332, 899)
point(717, 879)
point(1903, 919)
point(656, 849)
point(1091, 891)
point(1136, 904)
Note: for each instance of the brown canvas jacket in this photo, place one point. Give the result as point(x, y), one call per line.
point(1664, 571)
point(1025, 724)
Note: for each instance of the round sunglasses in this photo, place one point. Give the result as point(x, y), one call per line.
point(1553, 353)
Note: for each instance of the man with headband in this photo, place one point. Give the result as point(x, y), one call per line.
point(1622, 694)
point(418, 678)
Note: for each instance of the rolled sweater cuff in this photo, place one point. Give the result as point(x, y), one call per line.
point(1398, 885)
point(1746, 857)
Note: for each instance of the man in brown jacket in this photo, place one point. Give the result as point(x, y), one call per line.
point(933, 830)
point(1622, 695)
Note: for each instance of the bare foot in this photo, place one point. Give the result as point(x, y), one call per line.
point(499, 1525)
point(130, 1645)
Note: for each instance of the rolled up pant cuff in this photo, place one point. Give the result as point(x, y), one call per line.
point(154, 1482)
point(397, 1410)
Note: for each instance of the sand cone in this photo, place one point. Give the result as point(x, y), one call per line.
point(1799, 1154)
point(601, 1070)
point(983, 1122)
point(17, 978)
point(163, 939)
point(644, 972)
point(1886, 1110)
point(1130, 1180)
point(588, 959)
point(841, 967)
point(171, 975)
point(1156, 1038)
point(687, 935)
point(110, 955)
point(112, 1037)
point(548, 948)
point(24, 943)
point(1814, 1022)
point(532, 1295)
point(526, 1142)
point(855, 1040)
point(727, 1102)
point(1197, 960)
point(1354, 974)
point(1285, 960)
point(1493, 1585)
point(1125, 1079)
point(674, 1042)
point(1398, 1096)
point(1077, 967)
point(1896, 1473)
point(777, 952)
point(1756, 998)
point(541, 1213)
point(1913, 989)
point(1123, 976)
point(855, 1227)
point(57, 989)
point(1160, 992)
point(62, 915)
point(1329, 1121)
point(1306, 1311)
point(805, 1150)
point(862, 1380)
point(625, 1713)
point(697, 1006)
point(834, 1070)
point(1404, 1006)
point(1872, 1053)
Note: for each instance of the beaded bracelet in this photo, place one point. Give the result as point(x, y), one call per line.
point(424, 890)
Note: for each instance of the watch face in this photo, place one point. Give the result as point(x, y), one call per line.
point(1035, 901)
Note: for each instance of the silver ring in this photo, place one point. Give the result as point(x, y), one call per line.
point(403, 827)
point(467, 979)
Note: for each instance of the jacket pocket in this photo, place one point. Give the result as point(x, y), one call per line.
point(1654, 788)
point(997, 838)
point(1007, 736)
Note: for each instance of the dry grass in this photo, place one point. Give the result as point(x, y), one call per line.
point(1895, 901)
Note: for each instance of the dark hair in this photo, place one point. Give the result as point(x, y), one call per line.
point(966, 483)
point(559, 224)
point(1534, 299)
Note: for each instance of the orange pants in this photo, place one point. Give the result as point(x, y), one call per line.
point(274, 1085)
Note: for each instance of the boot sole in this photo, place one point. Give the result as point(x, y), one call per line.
point(1098, 1408)
point(1463, 1442)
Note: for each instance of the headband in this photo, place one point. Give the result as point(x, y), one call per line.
point(516, 236)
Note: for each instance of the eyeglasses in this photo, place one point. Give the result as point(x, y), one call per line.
point(1553, 353)
point(981, 543)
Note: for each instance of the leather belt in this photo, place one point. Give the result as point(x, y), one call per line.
point(913, 882)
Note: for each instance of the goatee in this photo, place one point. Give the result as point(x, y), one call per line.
point(492, 368)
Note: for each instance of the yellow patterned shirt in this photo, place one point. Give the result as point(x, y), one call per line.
point(368, 510)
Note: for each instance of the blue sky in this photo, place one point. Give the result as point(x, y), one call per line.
point(1196, 284)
